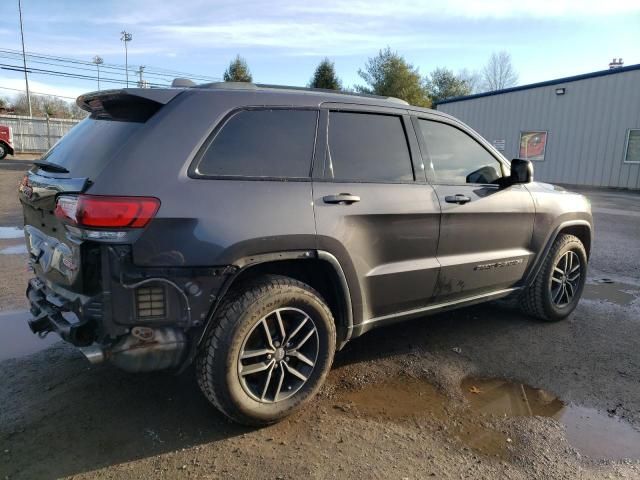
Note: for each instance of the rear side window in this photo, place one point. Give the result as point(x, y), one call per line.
point(368, 148)
point(263, 143)
point(457, 158)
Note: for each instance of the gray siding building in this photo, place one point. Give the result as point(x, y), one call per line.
point(582, 130)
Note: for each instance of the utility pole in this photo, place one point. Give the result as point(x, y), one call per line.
point(126, 37)
point(98, 61)
point(24, 59)
point(141, 82)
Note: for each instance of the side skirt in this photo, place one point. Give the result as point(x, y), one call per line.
point(430, 309)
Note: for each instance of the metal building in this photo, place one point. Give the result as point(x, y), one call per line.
point(581, 130)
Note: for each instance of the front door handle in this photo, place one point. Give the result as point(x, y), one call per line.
point(341, 199)
point(458, 198)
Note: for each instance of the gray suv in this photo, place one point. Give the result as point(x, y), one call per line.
point(253, 230)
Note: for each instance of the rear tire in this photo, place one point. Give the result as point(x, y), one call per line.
point(266, 338)
point(557, 288)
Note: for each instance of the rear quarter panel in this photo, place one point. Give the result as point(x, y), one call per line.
point(204, 222)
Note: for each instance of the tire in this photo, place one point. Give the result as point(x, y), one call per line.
point(262, 398)
point(3, 150)
point(544, 298)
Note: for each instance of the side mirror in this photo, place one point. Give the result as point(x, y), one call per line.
point(521, 171)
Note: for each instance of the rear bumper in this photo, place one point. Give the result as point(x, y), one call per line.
point(49, 310)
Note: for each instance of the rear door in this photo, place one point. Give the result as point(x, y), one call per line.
point(485, 230)
point(374, 210)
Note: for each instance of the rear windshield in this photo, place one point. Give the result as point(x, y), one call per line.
point(91, 145)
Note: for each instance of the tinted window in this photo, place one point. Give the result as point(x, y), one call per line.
point(91, 145)
point(456, 157)
point(263, 143)
point(368, 147)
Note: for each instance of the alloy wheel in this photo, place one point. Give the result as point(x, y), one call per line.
point(565, 279)
point(278, 355)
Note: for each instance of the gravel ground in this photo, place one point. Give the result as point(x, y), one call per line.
point(393, 406)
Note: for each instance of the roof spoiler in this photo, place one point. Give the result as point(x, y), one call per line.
point(130, 104)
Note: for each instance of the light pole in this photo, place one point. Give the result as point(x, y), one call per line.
point(24, 59)
point(126, 37)
point(98, 61)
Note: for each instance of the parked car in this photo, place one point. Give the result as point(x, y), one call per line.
point(255, 230)
point(6, 141)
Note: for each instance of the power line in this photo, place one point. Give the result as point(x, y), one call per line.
point(21, 90)
point(154, 70)
point(56, 73)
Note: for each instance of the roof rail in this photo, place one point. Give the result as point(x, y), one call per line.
point(264, 86)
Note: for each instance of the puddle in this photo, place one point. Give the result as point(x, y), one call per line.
point(14, 250)
point(11, 232)
point(593, 433)
point(589, 431)
point(17, 340)
point(609, 291)
point(408, 398)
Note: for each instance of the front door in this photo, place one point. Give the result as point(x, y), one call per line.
point(485, 230)
point(375, 212)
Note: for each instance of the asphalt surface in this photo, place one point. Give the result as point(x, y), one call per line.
point(399, 402)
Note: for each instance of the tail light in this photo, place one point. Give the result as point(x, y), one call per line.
point(95, 211)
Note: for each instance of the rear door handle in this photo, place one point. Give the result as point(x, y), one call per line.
point(341, 199)
point(458, 198)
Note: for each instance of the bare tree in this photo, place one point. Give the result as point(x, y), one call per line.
point(499, 73)
point(472, 78)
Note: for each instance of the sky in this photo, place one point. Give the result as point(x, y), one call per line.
point(283, 40)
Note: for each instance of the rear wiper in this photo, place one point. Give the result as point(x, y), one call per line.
point(50, 167)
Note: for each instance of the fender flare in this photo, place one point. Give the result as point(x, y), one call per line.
point(243, 264)
point(539, 260)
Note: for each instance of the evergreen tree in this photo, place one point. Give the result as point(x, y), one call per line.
point(388, 74)
point(238, 71)
point(325, 76)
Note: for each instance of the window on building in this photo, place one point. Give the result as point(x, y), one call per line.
point(368, 148)
point(456, 158)
point(632, 150)
point(263, 143)
point(532, 145)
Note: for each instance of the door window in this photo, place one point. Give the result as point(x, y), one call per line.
point(456, 158)
point(365, 147)
point(263, 143)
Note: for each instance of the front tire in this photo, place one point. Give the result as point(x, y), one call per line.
point(557, 288)
point(269, 351)
point(3, 151)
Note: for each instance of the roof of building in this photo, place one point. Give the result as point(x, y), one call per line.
point(584, 76)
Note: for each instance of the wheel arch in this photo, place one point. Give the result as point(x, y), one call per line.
point(579, 228)
point(9, 148)
point(317, 268)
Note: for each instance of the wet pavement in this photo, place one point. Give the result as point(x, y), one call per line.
point(17, 340)
point(596, 434)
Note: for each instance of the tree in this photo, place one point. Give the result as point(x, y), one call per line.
point(390, 75)
point(443, 84)
point(238, 71)
point(472, 78)
point(325, 76)
point(499, 73)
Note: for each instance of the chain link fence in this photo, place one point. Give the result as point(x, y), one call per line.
point(36, 134)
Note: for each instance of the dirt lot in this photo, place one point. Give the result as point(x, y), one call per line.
point(399, 402)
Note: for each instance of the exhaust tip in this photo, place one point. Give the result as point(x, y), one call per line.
point(93, 353)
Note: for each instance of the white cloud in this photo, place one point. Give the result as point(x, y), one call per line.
point(472, 9)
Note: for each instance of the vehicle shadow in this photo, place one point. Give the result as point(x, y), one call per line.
point(61, 416)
